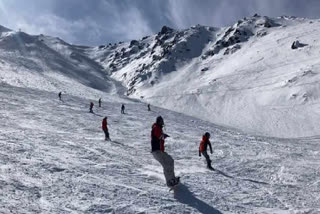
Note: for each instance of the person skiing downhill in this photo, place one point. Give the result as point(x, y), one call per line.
point(122, 109)
point(157, 150)
point(105, 128)
point(60, 93)
point(203, 149)
point(91, 107)
point(100, 102)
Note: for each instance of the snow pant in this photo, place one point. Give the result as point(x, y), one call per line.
point(106, 133)
point(205, 154)
point(167, 163)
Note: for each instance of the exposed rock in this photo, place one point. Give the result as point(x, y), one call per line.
point(133, 42)
point(296, 44)
point(232, 49)
point(165, 30)
point(261, 33)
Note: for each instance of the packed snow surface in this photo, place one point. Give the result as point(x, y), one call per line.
point(54, 160)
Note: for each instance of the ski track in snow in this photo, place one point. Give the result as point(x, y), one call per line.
point(54, 160)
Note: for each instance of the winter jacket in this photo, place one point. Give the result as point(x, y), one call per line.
point(204, 145)
point(157, 138)
point(104, 125)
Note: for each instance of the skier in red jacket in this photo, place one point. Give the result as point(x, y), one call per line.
point(203, 149)
point(157, 150)
point(105, 128)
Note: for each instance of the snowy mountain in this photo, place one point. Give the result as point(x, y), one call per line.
point(50, 64)
point(244, 76)
point(54, 159)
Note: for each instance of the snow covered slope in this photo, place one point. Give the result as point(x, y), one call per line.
point(244, 76)
point(54, 160)
point(50, 64)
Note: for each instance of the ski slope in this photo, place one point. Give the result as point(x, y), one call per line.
point(54, 160)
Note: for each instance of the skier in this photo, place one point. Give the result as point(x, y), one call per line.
point(122, 109)
point(91, 107)
point(203, 149)
point(60, 93)
point(105, 128)
point(100, 102)
point(149, 109)
point(157, 150)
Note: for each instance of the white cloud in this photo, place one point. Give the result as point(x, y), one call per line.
point(103, 21)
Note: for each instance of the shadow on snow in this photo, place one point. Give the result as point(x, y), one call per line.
point(183, 195)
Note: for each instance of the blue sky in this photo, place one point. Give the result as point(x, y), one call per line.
point(95, 22)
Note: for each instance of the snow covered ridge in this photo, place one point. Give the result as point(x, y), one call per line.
point(142, 62)
point(50, 64)
point(244, 76)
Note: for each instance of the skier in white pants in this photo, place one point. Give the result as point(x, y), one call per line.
point(157, 145)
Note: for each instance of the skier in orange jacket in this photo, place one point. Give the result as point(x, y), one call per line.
point(205, 142)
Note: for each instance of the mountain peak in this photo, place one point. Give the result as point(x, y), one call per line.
point(165, 29)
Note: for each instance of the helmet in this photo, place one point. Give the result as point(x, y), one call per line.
point(159, 120)
point(207, 134)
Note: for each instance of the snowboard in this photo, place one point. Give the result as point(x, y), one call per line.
point(175, 186)
point(211, 169)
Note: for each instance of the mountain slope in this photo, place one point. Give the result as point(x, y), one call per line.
point(245, 76)
point(50, 64)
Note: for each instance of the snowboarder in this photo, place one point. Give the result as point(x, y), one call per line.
point(60, 94)
point(105, 128)
point(157, 150)
point(203, 149)
point(149, 109)
point(91, 107)
point(100, 102)
point(122, 109)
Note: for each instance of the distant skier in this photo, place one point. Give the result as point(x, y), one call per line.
point(157, 150)
point(100, 102)
point(149, 108)
point(60, 95)
point(105, 128)
point(122, 109)
point(203, 149)
point(91, 107)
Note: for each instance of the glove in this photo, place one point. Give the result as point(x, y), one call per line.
point(165, 136)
